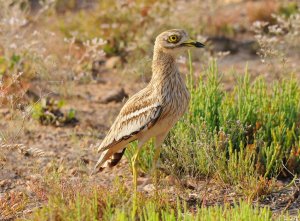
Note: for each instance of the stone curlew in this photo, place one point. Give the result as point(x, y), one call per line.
point(154, 110)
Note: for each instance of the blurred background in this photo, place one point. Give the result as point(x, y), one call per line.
point(77, 40)
point(49, 47)
point(68, 66)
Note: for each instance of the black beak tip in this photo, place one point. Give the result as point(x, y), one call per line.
point(199, 45)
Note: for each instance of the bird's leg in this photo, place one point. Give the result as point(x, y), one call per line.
point(134, 173)
point(134, 168)
point(158, 142)
point(154, 165)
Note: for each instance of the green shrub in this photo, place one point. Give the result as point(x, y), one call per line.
point(289, 9)
point(250, 131)
point(65, 202)
point(48, 112)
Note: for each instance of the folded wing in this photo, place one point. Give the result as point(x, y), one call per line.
point(135, 116)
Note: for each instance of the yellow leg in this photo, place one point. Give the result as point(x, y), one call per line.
point(134, 168)
point(134, 172)
point(156, 156)
point(155, 160)
point(158, 142)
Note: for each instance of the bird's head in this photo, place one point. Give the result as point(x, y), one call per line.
point(174, 41)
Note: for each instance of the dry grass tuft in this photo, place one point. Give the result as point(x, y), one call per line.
point(11, 204)
point(24, 150)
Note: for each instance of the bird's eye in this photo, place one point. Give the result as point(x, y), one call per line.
point(173, 39)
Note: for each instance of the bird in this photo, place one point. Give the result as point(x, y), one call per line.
point(153, 111)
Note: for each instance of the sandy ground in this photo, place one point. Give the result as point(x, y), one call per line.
point(72, 149)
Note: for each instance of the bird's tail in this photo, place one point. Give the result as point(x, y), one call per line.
point(108, 159)
point(115, 158)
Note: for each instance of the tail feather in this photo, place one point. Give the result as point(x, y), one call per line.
point(108, 159)
point(115, 158)
point(100, 163)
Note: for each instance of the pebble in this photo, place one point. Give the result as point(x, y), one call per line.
point(113, 62)
point(149, 188)
point(114, 95)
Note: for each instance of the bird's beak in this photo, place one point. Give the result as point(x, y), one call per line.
point(192, 43)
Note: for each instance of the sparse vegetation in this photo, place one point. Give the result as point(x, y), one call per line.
point(233, 156)
point(250, 132)
point(74, 201)
point(48, 112)
point(243, 137)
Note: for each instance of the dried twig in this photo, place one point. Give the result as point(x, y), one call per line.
point(23, 149)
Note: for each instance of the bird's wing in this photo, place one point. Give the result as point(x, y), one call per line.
point(135, 116)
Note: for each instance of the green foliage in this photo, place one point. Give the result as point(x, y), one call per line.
point(67, 203)
point(86, 209)
point(130, 25)
point(10, 64)
point(48, 112)
point(240, 135)
point(145, 157)
point(289, 9)
point(243, 137)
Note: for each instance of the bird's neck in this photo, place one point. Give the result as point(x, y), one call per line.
point(163, 65)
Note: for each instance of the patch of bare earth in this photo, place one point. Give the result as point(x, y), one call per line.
point(71, 150)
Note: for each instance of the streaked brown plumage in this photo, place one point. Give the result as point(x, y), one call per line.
point(154, 110)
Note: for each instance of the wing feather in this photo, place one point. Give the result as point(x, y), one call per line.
point(133, 118)
point(139, 113)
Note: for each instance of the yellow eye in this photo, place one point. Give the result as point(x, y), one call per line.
point(173, 39)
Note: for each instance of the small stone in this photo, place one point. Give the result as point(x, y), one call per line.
point(232, 194)
point(97, 67)
point(4, 111)
point(143, 181)
point(76, 171)
point(85, 160)
point(193, 195)
point(3, 183)
point(35, 177)
point(171, 180)
point(113, 62)
point(149, 188)
point(114, 95)
point(190, 184)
